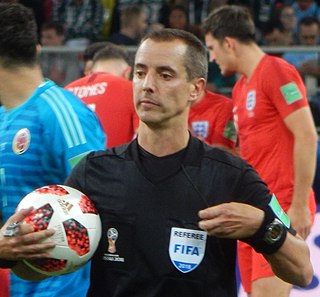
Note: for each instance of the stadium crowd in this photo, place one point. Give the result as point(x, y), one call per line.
point(83, 22)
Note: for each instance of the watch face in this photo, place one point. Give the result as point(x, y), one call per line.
point(274, 232)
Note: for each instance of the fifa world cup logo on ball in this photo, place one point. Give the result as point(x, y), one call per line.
point(112, 238)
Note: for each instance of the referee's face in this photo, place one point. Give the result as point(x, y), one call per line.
point(162, 92)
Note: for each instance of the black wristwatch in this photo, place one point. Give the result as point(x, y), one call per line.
point(274, 232)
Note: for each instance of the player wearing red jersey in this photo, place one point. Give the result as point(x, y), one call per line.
point(109, 93)
point(211, 120)
point(277, 135)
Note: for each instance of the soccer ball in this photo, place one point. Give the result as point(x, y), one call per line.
point(77, 227)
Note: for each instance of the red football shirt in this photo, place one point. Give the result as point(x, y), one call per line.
point(211, 120)
point(111, 97)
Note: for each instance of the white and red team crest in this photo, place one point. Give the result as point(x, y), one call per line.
point(21, 141)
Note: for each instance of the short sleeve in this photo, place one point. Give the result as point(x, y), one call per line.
point(284, 86)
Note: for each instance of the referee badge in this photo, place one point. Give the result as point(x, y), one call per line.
point(187, 248)
point(21, 141)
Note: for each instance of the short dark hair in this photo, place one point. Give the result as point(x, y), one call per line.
point(230, 21)
point(196, 56)
point(18, 36)
point(270, 26)
point(308, 21)
point(58, 27)
point(112, 51)
point(93, 48)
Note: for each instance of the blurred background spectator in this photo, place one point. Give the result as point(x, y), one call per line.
point(285, 15)
point(305, 8)
point(261, 12)
point(195, 11)
point(82, 19)
point(150, 7)
point(273, 34)
point(308, 35)
point(133, 24)
point(307, 63)
point(59, 67)
point(178, 18)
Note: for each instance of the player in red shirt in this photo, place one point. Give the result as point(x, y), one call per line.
point(108, 91)
point(277, 135)
point(211, 120)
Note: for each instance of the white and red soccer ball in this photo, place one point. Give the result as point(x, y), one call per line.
point(75, 220)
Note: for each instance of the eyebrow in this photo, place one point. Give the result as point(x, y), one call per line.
point(140, 65)
point(158, 68)
point(165, 68)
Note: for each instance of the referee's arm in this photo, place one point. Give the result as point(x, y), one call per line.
point(290, 260)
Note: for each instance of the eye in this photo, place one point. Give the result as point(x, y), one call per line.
point(139, 73)
point(165, 75)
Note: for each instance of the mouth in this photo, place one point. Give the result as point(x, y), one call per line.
point(147, 102)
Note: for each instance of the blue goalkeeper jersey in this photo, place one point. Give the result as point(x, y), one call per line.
point(40, 142)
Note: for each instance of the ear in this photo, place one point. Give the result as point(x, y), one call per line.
point(230, 43)
point(126, 73)
point(197, 89)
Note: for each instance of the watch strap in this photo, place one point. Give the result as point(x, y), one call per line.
point(258, 242)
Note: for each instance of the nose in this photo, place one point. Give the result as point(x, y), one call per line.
point(211, 56)
point(148, 83)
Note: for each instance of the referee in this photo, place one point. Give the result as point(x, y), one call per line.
point(173, 208)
